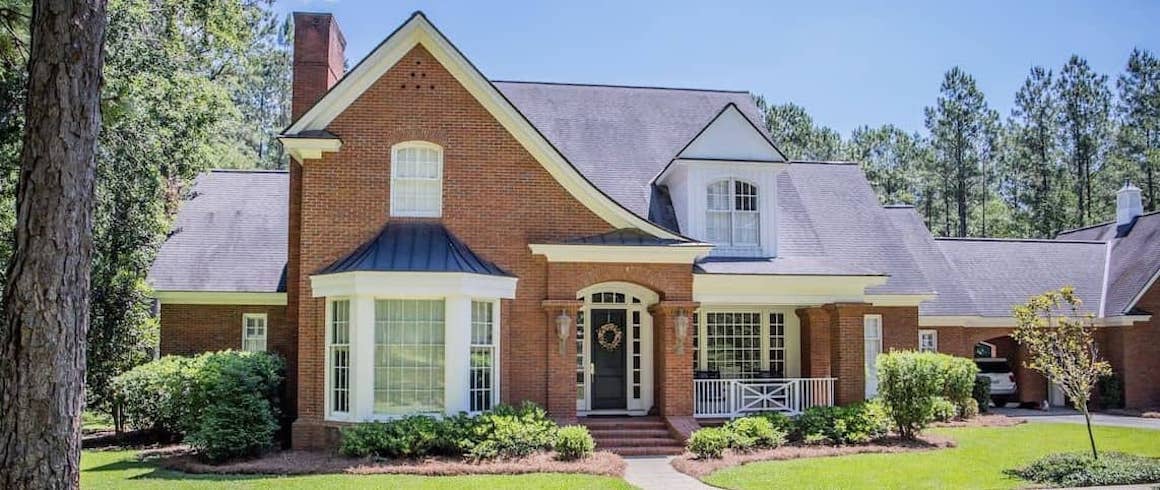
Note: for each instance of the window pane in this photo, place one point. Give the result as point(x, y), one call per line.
point(717, 227)
point(408, 356)
point(745, 229)
point(718, 197)
point(481, 389)
point(339, 356)
point(732, 344)
point(416, 182)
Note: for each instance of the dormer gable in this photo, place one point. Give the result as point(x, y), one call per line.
point(723, 186)
point(731, 136)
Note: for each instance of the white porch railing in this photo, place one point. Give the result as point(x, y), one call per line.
point(727, 398)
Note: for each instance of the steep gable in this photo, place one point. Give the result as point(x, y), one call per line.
point(731, 136)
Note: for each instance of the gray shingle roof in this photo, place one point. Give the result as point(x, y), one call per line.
point(953, 297)
point(420, 246)
point(790, 266)
point(625, 236)
point(1002, 273)
point(230, 235)
point(1135, 257)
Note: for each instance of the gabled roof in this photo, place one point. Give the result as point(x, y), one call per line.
point(953, 297)
point(414, 246)
point(416, 31)
point(1134, 262)
point(230, 235)
point(1001, 273)
point(730, 135)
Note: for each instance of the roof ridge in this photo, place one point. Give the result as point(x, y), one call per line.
point(1106, 223)
point(613, 85)
point(247, 171)
point(1015, 240)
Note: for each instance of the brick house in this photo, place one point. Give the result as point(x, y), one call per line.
point(444, 242)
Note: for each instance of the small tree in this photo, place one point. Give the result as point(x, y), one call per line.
point(1059, 344)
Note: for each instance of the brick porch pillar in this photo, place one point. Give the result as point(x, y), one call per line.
point(847, 358)
point(815, 342)
point(672, 364)
point(561, 361)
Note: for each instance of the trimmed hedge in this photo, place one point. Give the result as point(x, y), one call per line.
point(857, 423)
point(710, 442)
point(224, 404)
point(911, 385)
point(574, 442)
point(1080, 470)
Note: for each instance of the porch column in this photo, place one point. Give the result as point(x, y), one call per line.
point(815, 343)
point(847, 351)
point(673, 359)
point(561, 362)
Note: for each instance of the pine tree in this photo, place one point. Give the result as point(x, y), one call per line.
point(1139, 111)
point(796, 135)
point(1084, 120)
point(890, 157)
point(1035, 172)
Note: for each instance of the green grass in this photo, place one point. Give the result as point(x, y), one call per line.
point(978, 461)
point(94, 421)
point(121, 469)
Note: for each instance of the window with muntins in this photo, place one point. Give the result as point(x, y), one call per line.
point(408, 356)
point(482, 383)
point(732, 344)
point(338, 356)
point(254, 332)
point(928, 341)
point(417, 180)
point(732, 217)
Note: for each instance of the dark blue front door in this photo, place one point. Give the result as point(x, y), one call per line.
point(609, 378)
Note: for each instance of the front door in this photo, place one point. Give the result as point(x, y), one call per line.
point(609, 359)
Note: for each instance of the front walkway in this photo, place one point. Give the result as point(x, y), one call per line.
point(657, 473)
point(1067, 415)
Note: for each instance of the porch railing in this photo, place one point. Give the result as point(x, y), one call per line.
point(721, 398)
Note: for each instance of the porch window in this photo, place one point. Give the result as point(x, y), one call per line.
point(732, 217)
point(408, 356)
point(928, 341)
point(733, 344)
point(254, 332)
point(482, 383)
point(338, 356)
point(417, 180)
point(777, 344)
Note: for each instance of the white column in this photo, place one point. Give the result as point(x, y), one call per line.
point(456, 354)
point(362, 357)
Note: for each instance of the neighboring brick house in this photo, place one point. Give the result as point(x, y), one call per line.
point(444, 242)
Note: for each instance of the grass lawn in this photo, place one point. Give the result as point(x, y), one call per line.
point(121, 469)
point(977, 462)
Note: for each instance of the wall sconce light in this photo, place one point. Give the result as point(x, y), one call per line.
point(563, 325)
point(682, 329)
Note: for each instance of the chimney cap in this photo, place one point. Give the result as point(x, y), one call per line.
point(1128, 186)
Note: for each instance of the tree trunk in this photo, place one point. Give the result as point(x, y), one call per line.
point(1091, 438)
point(46, 300)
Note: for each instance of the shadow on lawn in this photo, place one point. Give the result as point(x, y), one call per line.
point(156, 473)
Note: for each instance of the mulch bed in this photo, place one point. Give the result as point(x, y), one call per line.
point(688, 464)
point(310, 462)
point(985, 420)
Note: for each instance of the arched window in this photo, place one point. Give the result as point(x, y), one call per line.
point(732, 217)
point(417, 179)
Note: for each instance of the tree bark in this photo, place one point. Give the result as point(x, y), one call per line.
point(46, 300)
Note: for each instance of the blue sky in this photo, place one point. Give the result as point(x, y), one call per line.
point(848, 62)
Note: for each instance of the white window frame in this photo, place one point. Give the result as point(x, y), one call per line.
point(791, 337)
point(494, 346)
point(397, 181)
point(246, 317)
point(733, 213)
point(333, 414)
point(934, 340)
point(881, 332)
point(447, 331)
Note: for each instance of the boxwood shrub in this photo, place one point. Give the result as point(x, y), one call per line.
point(857, 423)
point(981, 392)
point(574, 442)
point(709, 442)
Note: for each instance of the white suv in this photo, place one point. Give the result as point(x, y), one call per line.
point(998, 370)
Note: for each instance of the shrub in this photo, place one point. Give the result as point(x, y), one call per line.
point(409, 437)
point(969, 410)
point(511, 432)
point(1080, 470)
point(942, 409)
point(908, 382)
point(574, 442)
point(1111, 390)
point(958, 378)
point(851, 424)
point(780, 421)
point(755, 431)
point(709, 442)
point(981, 392)
point(225, 404)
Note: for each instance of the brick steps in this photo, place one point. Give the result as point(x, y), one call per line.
point(632, 436)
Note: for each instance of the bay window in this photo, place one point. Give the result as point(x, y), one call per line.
point(483, 359)
point(338, 356)
point(408, 356)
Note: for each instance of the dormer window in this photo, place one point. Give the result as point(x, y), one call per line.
point(417, 180)
point(732, 216)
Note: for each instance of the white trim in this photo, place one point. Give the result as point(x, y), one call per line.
point(746, 289)
point(265, 330)
point(642, 254)
point(1107, 280)
point(412, 285)
point(303, 149)
point(899, 299)
point(418, 31)
point(1009, 322)
point(647, 297)
point(871, 381)
point(792, 333)
point(219, 298)
point(1144, 290)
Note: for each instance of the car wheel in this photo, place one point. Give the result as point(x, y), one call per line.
point(1001, 400)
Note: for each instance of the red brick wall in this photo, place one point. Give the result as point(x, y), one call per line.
point(1140, 349)
point(496, 197)
point(833, 342)
point(960, 341)
point(193, 329)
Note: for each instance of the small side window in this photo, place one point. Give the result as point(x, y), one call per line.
point(254, 332)
point(928, 340)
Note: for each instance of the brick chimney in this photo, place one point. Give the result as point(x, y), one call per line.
point(318, 59)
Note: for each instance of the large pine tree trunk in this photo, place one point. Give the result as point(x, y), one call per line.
point(46, 303)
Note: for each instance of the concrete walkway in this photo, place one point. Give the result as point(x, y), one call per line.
point(655, 472)
point(1067, 415)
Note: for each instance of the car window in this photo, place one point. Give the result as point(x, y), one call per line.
point(993, 367)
